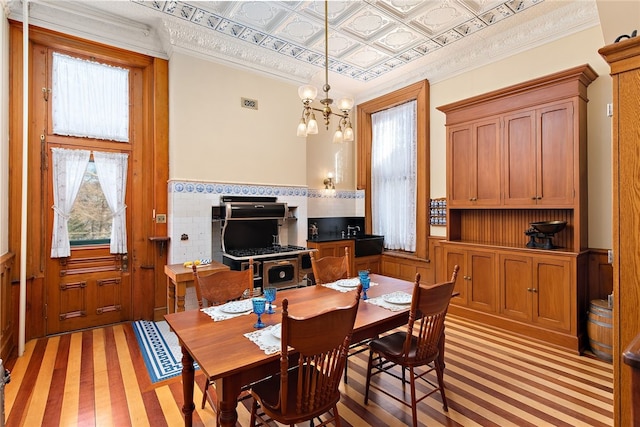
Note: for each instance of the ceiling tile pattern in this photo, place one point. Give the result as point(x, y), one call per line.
point(367, 39)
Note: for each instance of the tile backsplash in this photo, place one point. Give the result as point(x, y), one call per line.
point(190, 225)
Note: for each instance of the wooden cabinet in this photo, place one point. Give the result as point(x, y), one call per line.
point(334, 248)
point(515, 156)
point(476, 283)
point(536, 289)
point(538, 148)
point(624, 59)
point(473, 159)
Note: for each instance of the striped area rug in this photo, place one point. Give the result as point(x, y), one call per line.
point(160, 349)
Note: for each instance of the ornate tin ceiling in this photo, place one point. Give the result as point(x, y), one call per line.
point(372, 43)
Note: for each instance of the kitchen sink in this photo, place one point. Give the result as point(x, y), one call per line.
point(368, 244)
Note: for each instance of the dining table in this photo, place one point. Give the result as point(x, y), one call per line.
point(227, 357)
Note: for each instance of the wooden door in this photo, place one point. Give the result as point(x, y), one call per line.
point(461, 166)
point(519, 150)
point(482, 284)
point(91, 287)
point(552, 293)
point(555, 149)
point(515, 275)
point(487, 186)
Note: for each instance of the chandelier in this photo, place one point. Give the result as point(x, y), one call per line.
point(308, 124)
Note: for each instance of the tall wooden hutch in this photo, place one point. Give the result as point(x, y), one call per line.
point(515, 156)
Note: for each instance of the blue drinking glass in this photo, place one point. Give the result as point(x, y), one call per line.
point(258, 308)
point(270, 295)
point(364, 281)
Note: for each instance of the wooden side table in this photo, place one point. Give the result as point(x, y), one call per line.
point(178, 277)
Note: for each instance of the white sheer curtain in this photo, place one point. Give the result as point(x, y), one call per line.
point(89, 99)
point(393, 176)
point(69, 167)
point(112, 174)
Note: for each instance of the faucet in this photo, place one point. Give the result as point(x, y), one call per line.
point(352, 230)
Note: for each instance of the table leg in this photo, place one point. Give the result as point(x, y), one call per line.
point(228, 392)
point(187, 387)
point(171, 296)
point(181, 288)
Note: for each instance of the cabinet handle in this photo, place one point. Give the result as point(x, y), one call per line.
point(534, 198)
point(539, 197)
point(534, 290)
point(529, 289)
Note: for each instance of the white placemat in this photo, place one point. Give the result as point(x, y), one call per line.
point(266, 339)
point(381, 301)
point(351, 284)
point(217, 314)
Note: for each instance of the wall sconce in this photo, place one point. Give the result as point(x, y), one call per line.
point(328, 182)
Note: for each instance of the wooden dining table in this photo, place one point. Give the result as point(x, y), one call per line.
point(232, 361)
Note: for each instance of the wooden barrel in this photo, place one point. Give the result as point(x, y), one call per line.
point(600, 329)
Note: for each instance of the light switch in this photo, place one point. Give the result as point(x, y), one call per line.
point(161, 218)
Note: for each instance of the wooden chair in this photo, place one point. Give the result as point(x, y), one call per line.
point(218, 288)
point(419, 346)
point(330, 268)
point(308, 389)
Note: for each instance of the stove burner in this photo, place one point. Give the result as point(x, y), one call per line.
point(271, 250)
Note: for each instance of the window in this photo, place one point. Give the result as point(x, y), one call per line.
point(90, 218)
point(418, 92)
point(393, 176)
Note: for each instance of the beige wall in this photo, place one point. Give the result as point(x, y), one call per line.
point(580, 48)
point(213, 139)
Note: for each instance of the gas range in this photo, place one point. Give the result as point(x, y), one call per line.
point(267, 252)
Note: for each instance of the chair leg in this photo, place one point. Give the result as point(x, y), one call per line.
point(440, 375)
point(254, 411)
point(412, 381)
point(368, 382)
point(204, 393)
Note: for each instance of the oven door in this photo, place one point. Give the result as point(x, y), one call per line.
point(280, 273)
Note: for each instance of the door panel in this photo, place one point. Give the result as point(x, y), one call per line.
point(483, 289)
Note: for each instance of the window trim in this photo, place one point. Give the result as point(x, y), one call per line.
point(419, 92)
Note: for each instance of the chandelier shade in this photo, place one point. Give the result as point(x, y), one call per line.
point(308, 93)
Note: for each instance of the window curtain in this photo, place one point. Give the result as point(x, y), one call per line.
point(69, 167)
point(393, 176)
point(112, 174)
point(89, 99)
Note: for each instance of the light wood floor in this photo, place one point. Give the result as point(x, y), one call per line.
point(98, 378)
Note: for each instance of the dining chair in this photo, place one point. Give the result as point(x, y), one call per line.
point(330, 268)
point(307, 386)
point(417, 347)
point(218, 288)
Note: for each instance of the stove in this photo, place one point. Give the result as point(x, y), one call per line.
point(268, 252)
point(250, 231)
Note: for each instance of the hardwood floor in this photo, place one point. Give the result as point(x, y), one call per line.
point(98, 378)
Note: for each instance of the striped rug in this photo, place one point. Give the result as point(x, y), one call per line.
point(160, 349)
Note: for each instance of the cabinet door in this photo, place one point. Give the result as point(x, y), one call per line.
point(487, 189)
point(481, 280)
point(552, 293)
point(555, 155)
point(515, 274)
point(453, 257)
point(461, 165)
point(519, 153)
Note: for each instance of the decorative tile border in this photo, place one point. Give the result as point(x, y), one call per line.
point(219, 188)
point(235, 189)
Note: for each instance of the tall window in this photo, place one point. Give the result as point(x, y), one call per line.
point(405, 216)
point(89, 100)
point(393, 176)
